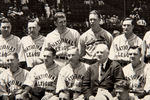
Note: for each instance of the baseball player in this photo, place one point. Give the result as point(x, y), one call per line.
point(32, 43)
point(11, 80)
point(120, 45)
point(61, 38)
point(146, 46)
point(9, 43)
point(137, 73)
point(95, 35)
point(42, 78)
point(71, 76)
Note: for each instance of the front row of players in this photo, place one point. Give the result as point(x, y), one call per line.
point(48, 81)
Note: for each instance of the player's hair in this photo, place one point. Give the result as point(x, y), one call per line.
point(15, 55)
point(136, 47)
point(34, 20)
point(59, 15)
point(5, 20)
point(122, 84)
point(51, 49)
point(128, 18)
point(95, 12)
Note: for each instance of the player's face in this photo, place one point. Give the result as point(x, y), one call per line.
point(61, 23)
point(48, 57)
point(5, 29)
point(127, 27)
point(73, 55)
point(121, 94)
point(33, 28)
point(134, 55)
point(94, 20)
point(12, 62)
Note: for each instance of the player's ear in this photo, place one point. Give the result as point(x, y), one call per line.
point(55, 23)
point(39, 28)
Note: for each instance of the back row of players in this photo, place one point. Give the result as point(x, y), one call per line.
point(67, 48)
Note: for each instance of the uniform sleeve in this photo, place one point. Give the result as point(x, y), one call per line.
point(112, 51)
point(77, 38)
point(110, 41)
point(20, 51)
point(147, 76)
point(3, 89)
point(81, 46)
point(30, 78)
point(60, 82)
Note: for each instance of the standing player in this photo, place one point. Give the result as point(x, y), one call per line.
point(120, 45)
point(146, 46)
point(61, 38)
point(71, 76)
point(42, 78)
point(95, 35)
point(11, 80)
point(32, 44)
point(9, 43)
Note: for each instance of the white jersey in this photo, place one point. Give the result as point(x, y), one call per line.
point(120, 46)
point(88, 41)
point(32, 49)
point(43, 77)
point(70, 78)
point(138, 76)
point(61, 41)
point(12, 83)
point(147, 41)
point(10, 45)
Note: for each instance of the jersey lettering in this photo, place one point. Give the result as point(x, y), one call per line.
point(120, 48)
point(7, 47)
point(33, 54)
point(14, 82)
point(32, 47)
point(52, 77)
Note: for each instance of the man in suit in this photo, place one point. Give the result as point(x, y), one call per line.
point(101, 75)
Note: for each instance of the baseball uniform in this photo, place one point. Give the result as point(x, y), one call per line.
point(12, 83)
point(136, 76)
point(10, 45)
point(61, 42)
point(147, 45)
point(89, 40)
point(43, 77)
point(70, 78)
point(32, 49)
point(120, 46)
